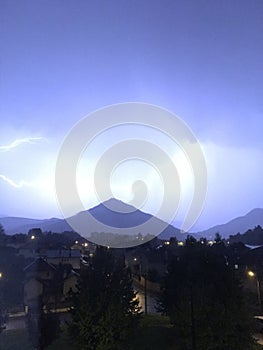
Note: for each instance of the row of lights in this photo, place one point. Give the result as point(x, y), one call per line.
point(83, 244)
point(76, 242)
point(180, 243)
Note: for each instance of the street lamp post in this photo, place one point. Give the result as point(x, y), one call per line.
point(144, 275)
point(258, 283)
point(145, 295)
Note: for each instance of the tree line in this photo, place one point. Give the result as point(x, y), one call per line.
point(201, 294)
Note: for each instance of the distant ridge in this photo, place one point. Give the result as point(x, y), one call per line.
point(116, 213)
point(238, 225)
point(13, 225)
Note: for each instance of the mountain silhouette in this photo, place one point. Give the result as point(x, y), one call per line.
point(113, 213)
point(238, 225)
point(117, 214)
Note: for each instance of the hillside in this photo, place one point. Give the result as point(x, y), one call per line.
point(238, 225)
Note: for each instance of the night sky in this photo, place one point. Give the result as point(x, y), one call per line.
point(61, 60)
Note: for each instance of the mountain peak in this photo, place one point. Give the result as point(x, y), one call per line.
point(116, 205)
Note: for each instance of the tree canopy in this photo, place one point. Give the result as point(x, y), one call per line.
point(104, 308)
point(204, 300)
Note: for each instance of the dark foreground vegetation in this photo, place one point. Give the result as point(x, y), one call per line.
point(207, 295)
point(155, 333)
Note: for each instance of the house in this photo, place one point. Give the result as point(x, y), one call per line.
point(70, 283)
point(28, 251)
point(48, 285)
point(39, 276)
point(64, 256)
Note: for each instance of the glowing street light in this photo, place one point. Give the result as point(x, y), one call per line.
point(33, 237)
point(253, 274)
point(1, 275)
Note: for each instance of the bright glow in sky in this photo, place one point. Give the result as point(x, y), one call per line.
point(201, 60)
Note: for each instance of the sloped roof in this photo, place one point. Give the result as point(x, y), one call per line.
point(39, 264)
point(63, 253)
point(71, 274)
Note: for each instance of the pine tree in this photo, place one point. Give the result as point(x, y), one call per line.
point(2, 235)
point(205, 302)
point(2, 231)
point(104, 308)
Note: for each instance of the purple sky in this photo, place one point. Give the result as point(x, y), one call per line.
point(60, 60)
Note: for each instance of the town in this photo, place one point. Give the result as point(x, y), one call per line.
point(40, 271)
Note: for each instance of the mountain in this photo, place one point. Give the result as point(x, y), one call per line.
point(238, 225)
point(113, 213)
point(118, 214)
point(14, 225)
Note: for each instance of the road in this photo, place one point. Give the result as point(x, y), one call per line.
point(16, 323)
point(151, 302)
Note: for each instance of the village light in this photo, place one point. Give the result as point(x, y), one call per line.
point(258, 282)
point(1, 275)
point(33, 237)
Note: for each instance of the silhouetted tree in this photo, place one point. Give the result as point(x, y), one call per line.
point(252, 237)
point(218, 238)
point(2, 231)
point(3, 237)
point(11, 283)
point(205, 302)
point(37, 232)
point(105, 311)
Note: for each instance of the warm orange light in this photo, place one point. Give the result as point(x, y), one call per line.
point(251, 273)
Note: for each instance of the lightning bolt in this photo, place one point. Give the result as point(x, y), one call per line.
point(19, 142)
point(16, 143)
point(14, 184)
